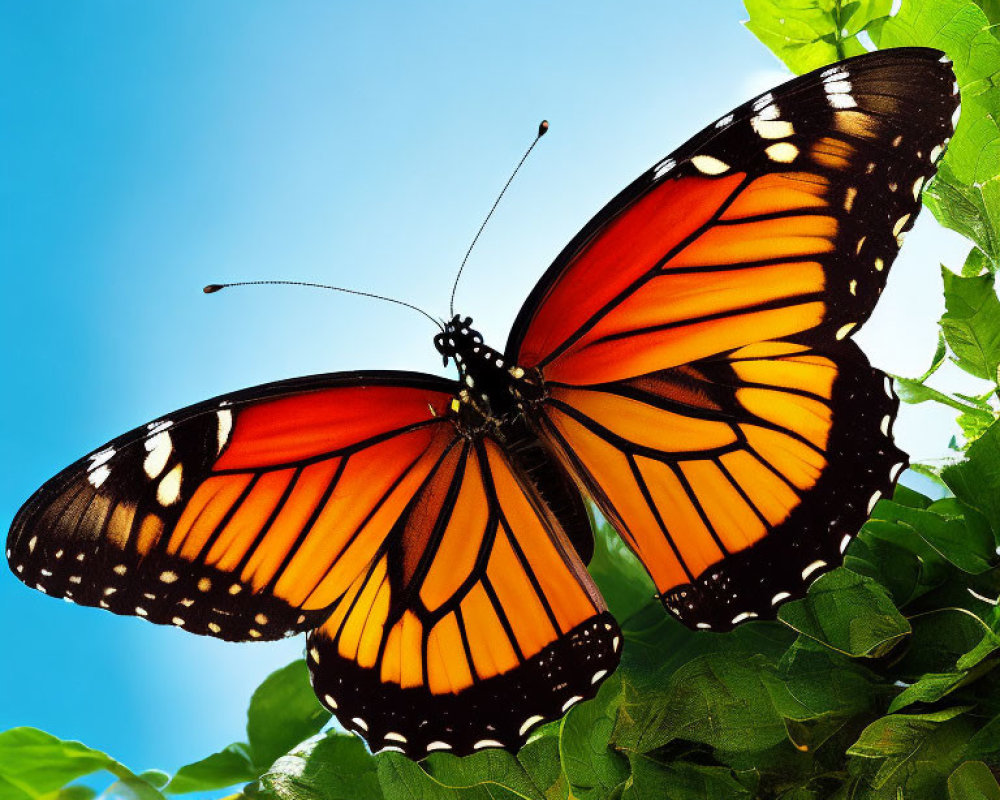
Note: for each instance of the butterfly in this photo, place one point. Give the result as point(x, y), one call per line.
point(686, 364)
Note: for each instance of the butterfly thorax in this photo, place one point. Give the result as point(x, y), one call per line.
point(490, 387)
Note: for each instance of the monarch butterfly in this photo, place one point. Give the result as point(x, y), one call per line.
point(685, 363)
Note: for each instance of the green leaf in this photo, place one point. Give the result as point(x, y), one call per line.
point(956, 533)
point(971, 323)
point(973, 780)
point(131, 789)
point(74, 791)
point(332, 767)
point(985, 743)
point(156, 778)
point(592, 768)
point(719, 700)
point(930, 688)
point(652, 780)
point(283, 712)
point(976, 481)
point(817, 691)
point(971, 209)
point(910, 755)
point(36, 763)
point(806, 35)
point(624, 583)
point(848, 613)
point(217, 771)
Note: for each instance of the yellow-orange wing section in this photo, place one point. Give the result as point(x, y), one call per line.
point(737, 480)
point(476, 624)
point(693, 341)
point(244, 517)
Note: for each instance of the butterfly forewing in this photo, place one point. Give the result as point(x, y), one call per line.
point(692, 338)
point(226, 518)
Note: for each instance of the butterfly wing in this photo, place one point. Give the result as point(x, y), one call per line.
point(239, 517)
point(481, 624)
point(694, 337)
point(450, 607)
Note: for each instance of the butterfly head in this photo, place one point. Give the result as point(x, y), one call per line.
point(458, 337)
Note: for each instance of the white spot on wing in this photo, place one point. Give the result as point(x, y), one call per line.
point(101, 457)
point(392, 736)
point(876, 496)
point(663, 168)
point(782, 152)
point(329, 701)
point(884, 425)
point(360, 723)
point(709, 165)
point(844, 542)
point(169, 490)
point(158, 449)
point(894, 472)
point(744, 616)
point(779, 597)
point(845, 329)
point(598, 675)
point(97, 477)
point(482, 743)
point(571, 702)
point(812, 568)
point(763, 100)
point(771, 129)
point(225, 418)
point(438, 746)
point(529, 723)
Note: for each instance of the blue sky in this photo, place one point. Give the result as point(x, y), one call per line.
point(147, 149)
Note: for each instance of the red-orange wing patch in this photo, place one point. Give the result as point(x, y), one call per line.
point(244, 517)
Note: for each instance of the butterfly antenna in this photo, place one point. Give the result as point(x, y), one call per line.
point(542, 128)
point(216, 287)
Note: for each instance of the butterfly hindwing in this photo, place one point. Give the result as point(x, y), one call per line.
point(737, 480)
point(695, 334)
point(477, 623)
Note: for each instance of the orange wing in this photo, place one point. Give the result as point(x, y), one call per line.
point(241, 517)
point(691, 339)
point(478, 625)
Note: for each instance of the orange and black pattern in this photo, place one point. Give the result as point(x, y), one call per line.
point(244, 517)
point(477, 598)
point(437, 579)
point(693, 340)
point(686, 362)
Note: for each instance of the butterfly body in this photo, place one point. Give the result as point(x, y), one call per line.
point(685, 364)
